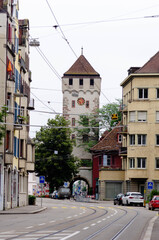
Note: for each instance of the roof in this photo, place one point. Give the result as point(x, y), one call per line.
point(152, 66)
point(109, 142)
point(81, 67)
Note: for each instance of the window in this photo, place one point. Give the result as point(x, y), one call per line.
point(132, 116)
point(81, 81)
point(73, 136)
point(119, 138)
point(157, 162)
point(21, 148)
point(100, 160)
point(73, 103)
point(8, 102)
point(141, 162)
point(141, 139)
point(73, 121)
point(157, 116)
point(87, 104)
point(143, 93)
point(91, 82)
point(8, 137)
point(85, 138)
point(142, 116)
point(157, 93)
point(157, 139)
point(106, 160)
point(70, 81)
point(131, 162)
point(132, 139)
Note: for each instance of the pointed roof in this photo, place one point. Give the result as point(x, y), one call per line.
point(152, 66)
point(109, 142)
point(81, 67)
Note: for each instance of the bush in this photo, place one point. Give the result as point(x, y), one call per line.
point(153, 193)
point(32, 200)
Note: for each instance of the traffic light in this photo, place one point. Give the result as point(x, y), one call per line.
point(115, 116)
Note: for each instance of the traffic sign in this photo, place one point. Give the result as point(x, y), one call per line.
point(150, 185)
point(114, 116)
point(42, 179)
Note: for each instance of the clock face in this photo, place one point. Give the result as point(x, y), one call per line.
point(81, 101)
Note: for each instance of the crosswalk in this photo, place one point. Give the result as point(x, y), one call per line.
point(47, 235)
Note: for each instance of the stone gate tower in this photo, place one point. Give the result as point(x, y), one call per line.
point(81, 86)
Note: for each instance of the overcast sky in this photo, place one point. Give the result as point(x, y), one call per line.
point(115, 35)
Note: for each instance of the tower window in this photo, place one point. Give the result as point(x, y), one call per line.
point(81, 81)
point(73, 121)
point(73, 103)
point(70, 81)
point(87, 104)
point(91, 82)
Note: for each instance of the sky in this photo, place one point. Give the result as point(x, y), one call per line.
point(115, 35)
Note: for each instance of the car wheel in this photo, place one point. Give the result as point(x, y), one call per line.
point(114, 203)
point(141, 204)
point(152, 208)
point(149, 208)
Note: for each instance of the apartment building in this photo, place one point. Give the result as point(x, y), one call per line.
point(140, 143)
point(17, 149)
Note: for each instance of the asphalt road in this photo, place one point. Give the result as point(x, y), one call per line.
point(67, 219)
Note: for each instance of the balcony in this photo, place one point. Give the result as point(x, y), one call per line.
point(30, 166)
point(8, 158)
point(123, 151)
point(18, 126)
point(22, 162)
point(31, 104)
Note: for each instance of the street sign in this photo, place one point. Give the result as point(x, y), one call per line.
point(150, 185)
point(65, 184)
point(114, 116)
point(42, 179)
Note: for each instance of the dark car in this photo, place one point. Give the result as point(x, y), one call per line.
point(118, 199)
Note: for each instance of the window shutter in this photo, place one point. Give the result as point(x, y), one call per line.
point(132, 116)
point(157, 116)
point(142, 116)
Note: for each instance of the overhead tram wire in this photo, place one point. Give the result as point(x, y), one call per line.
point(69, 44)
point(64, 37)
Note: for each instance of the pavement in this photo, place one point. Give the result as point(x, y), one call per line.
point(29, 209)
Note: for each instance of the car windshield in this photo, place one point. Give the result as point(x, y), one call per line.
point(156, 198)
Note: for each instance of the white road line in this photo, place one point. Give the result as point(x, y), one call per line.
point(104, 219)
point(52, 221)
point(69, 217)
point(85, 228)
point(93, 224)
point(29, 227)
point(41, 224)
point(99, 222)
point(149, 229)
point(73, 234)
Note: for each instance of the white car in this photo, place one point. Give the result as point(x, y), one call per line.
point(133, 198)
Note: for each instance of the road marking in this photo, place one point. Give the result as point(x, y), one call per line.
point(85, 228)
point(41, 224)
point(104, 219)
point(54, 207)
point(69, 217)
point(149, 229)
point(52, 221)
point(93, 224)
point(30, 227)
point(8, 235)
point(99, 222)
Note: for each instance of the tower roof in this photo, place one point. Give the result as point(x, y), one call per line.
point(81, 67)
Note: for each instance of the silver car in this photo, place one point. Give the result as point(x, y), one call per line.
point(133, 198)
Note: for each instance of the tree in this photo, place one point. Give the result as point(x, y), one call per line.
point(105, 115)
point(88, 131)
point(2, 127)
point(90, 125)
point(50, 140)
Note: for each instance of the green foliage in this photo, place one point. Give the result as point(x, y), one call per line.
point(153, 193)
point(57, 168)
point(105, 114)
point(32, 200)
point(2, 127)
point(88, 131)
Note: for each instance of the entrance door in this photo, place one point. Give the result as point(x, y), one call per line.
point(141, 189)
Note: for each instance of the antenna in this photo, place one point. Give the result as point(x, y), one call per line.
point(81, 50)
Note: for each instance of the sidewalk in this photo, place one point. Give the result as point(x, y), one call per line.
point(30, 209)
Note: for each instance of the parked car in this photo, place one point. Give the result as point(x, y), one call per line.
point(64, 192)
point(133, 198)
point(118, 199)
point(154, 203)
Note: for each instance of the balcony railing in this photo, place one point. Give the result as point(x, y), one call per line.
point(123, 151)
